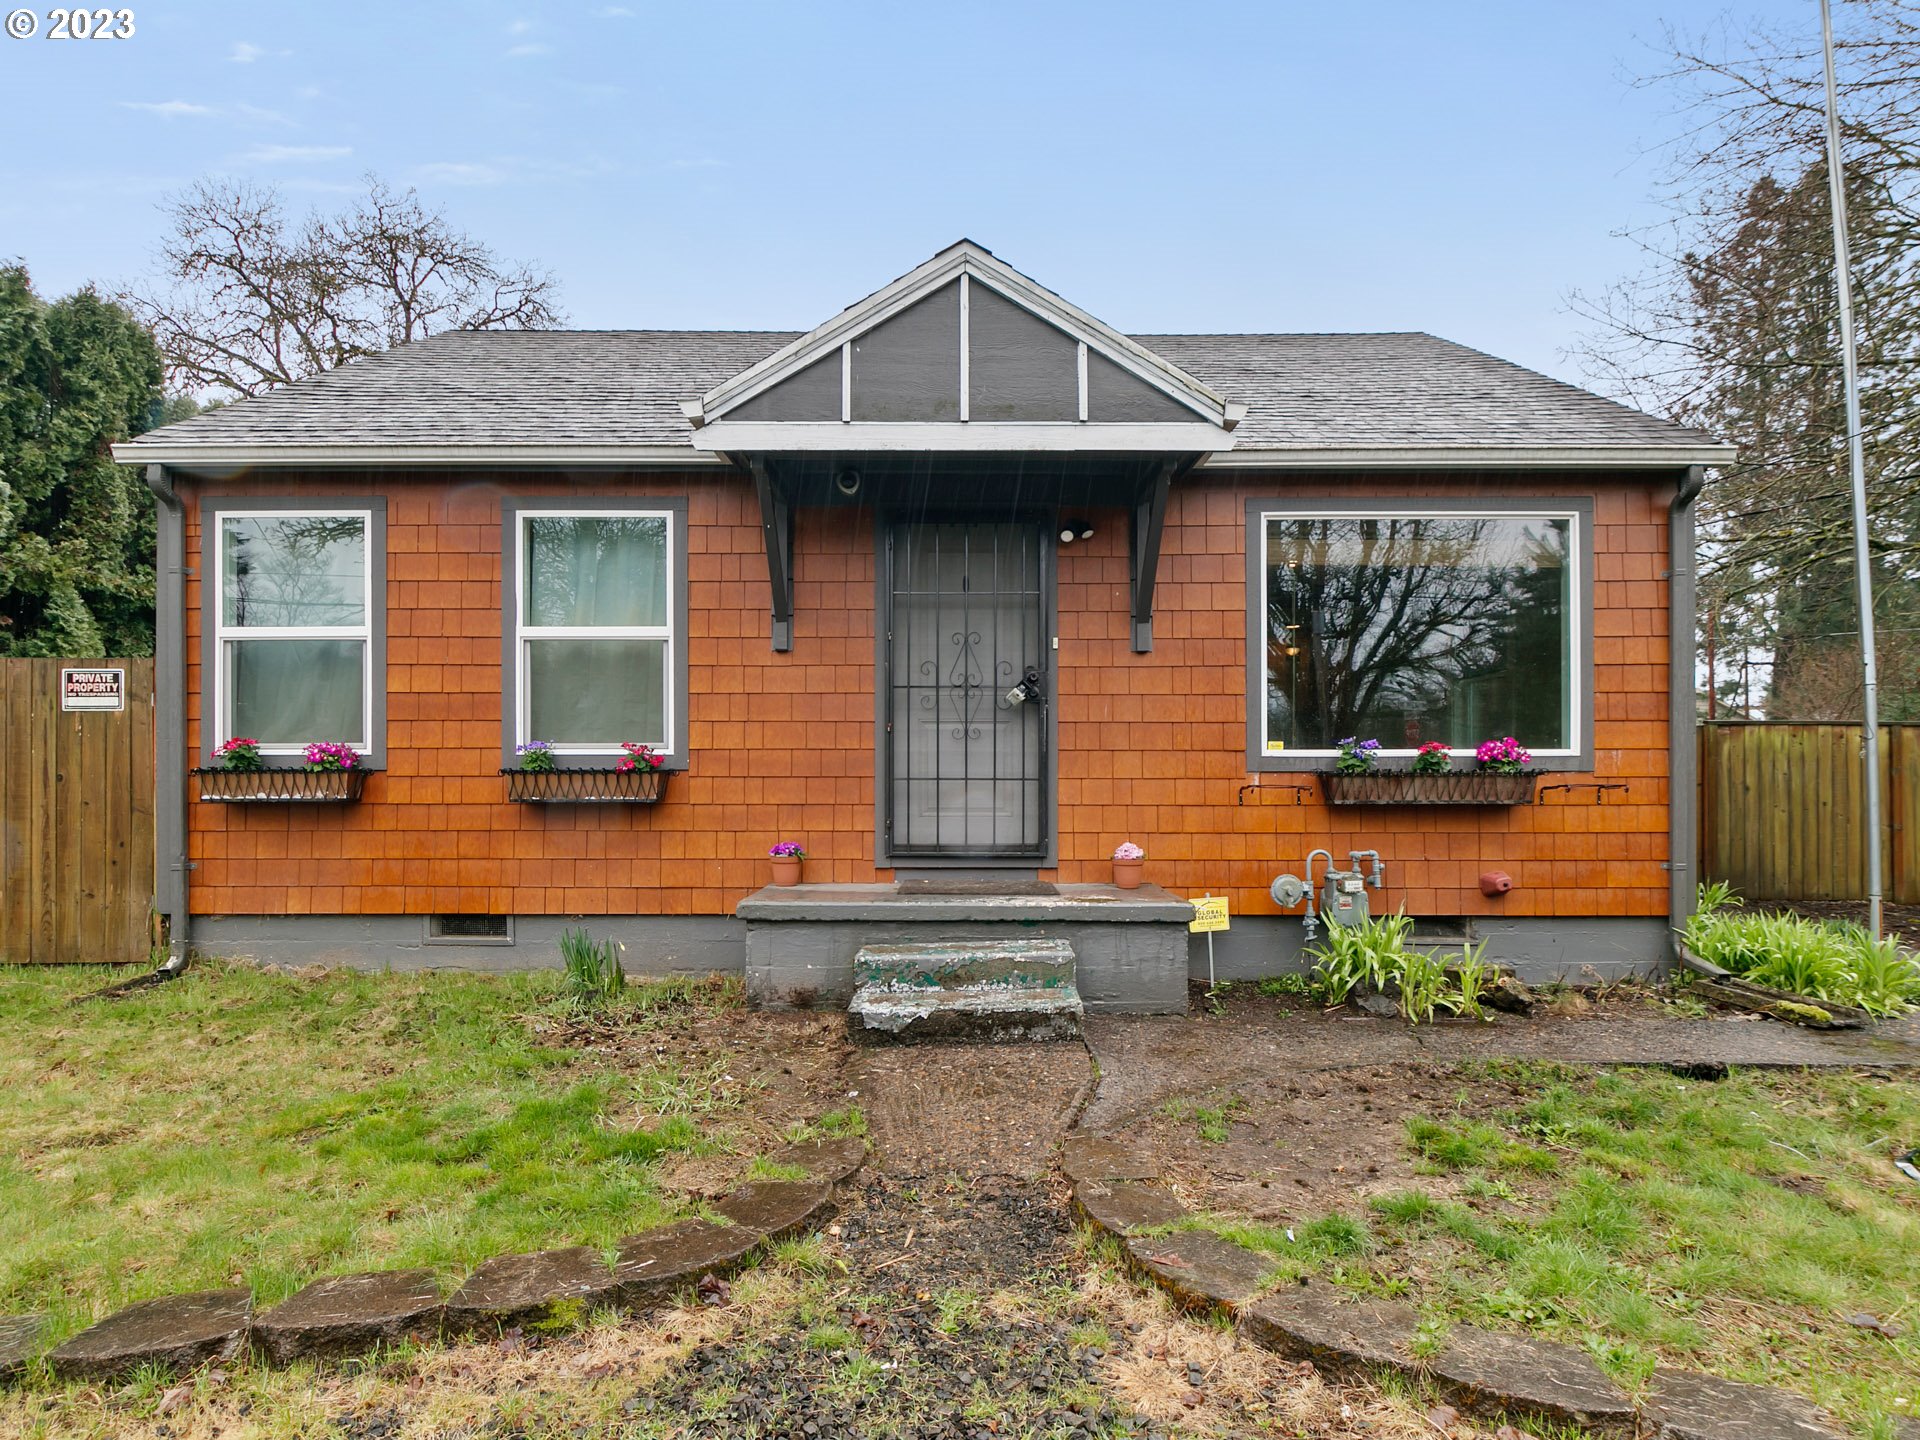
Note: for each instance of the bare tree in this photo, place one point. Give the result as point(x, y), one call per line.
point(253, 300)
point(1731, 325)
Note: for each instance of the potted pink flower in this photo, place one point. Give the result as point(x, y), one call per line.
point(1129, 865)
point(786, 856)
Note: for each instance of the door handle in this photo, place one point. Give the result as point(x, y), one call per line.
point(1027, 689)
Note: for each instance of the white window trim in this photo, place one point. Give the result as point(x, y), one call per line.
point(525, 634)
point(224, 632)
point(1576, 620)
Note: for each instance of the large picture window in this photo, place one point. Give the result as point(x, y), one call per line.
point(293, 627)
point(595, 660)
point(1412, 627)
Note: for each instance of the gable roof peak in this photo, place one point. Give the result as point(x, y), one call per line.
point(967, 261)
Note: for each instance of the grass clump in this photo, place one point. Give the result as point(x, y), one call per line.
point(1838, 963)
point(594, 976)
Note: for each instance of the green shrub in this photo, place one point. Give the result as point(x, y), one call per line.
point(594, 976)
point(1840, 964)
point(1374, 956)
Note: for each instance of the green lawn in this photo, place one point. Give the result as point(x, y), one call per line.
point(237, 1127)
point(1732, 1227)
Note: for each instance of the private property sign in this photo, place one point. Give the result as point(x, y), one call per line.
point(93, 689)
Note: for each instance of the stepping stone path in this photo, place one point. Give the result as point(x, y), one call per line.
point(19, 1343)
point(517, 1289)
point(346, 1314)
point(176, 1331)
point(1352, 1336)
point(1684, 1406)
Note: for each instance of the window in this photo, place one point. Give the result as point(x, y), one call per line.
point(595, 659)
point(1412, 625)
point(293, 625)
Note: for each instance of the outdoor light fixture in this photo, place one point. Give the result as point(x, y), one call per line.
point(1081, 531)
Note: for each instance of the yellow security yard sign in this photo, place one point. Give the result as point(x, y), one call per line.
point(1209, 914)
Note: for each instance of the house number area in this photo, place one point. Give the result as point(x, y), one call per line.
point(71, 24)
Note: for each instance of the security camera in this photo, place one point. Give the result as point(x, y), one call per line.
point(847, 482)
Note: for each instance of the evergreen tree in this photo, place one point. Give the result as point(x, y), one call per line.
point(76, 530)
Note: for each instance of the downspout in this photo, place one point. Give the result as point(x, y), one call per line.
point(1683, 823)
point(170, 861)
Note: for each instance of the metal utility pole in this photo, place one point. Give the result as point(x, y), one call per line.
point(1857, 464)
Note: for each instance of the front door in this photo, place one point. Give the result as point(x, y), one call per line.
point(965, 696)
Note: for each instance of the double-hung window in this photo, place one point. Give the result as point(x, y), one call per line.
point(1411, 621)
point(293, 625)
point(595, 654)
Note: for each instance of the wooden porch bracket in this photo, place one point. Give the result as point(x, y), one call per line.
point(1149, 519)
point(776, 526)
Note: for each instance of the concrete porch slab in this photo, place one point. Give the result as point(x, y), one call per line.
point(1131, 945)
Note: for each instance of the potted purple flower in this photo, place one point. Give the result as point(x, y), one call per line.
point(1129, 865)
point(786, 856)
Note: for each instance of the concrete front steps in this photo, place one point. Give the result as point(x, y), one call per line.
point(994, 990)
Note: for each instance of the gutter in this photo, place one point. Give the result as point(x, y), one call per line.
point(170, 860)
point(1683, 821)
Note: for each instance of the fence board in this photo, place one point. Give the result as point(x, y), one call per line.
point(76, 818)
point(1782, 810)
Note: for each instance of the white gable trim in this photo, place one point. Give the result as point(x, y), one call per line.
point(966, 262)
point(978, 436)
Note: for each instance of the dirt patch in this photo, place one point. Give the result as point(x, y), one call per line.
point(768, 1071)
point(1287, 1149)
point(970, 1109)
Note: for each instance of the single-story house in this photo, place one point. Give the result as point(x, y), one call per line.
point(960, 590)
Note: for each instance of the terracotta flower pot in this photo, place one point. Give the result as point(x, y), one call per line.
point(1127, 874)
point(786, 872)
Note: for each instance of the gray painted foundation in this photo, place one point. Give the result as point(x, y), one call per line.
point(656, 944)
point(1125, 965)
point(1540, 951)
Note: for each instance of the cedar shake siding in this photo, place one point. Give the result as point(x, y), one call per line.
point(1150, 747)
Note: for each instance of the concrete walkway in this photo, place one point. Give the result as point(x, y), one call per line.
point(1145, 1059)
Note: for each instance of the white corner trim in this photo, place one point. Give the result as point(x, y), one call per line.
point(1174, 437)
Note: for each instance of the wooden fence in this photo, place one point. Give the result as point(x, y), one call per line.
point(1783, 810)
point(76, 818)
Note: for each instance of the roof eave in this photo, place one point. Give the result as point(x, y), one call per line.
point(213, 455)
point(1473, 457)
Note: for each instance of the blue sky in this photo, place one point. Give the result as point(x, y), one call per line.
point(1457, 168)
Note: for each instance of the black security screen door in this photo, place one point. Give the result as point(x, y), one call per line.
point(965, 772)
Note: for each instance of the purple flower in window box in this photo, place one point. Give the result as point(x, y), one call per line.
point(1356, 756)
point(331, 755)
point(536, 755)
point(1505, 756)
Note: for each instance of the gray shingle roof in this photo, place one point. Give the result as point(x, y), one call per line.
point(624, 387)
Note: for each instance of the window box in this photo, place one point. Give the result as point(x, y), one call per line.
point(586, 787)
point(310, 787)
point(1402, 788)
